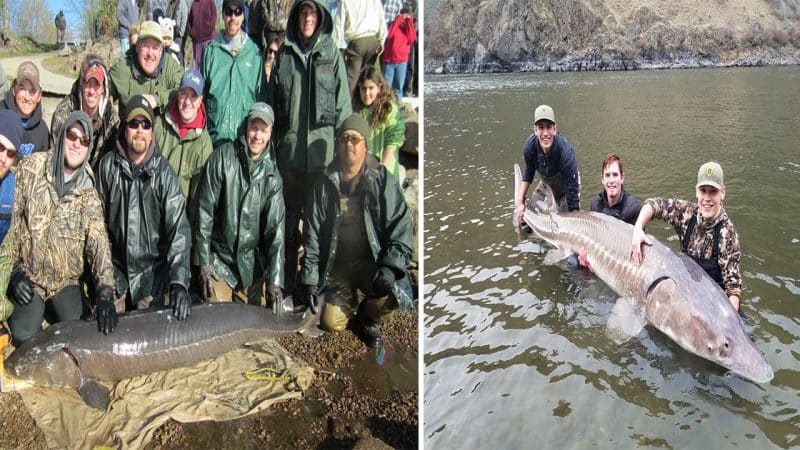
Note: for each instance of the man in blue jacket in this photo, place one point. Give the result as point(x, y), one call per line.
point(548, 152)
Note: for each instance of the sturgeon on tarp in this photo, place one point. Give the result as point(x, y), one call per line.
point(71, 354)
point(668, 290)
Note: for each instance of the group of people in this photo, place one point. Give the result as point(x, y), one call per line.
point(705, 231)
point(157, 185)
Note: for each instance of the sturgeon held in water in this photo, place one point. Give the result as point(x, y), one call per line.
point(73, 354)
point(668, 290)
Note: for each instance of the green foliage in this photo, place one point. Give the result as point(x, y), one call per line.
point(104, 16)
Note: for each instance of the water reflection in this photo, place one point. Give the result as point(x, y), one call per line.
point(515, 351)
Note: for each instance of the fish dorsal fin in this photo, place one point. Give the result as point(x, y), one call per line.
point(95, 394)
point(626, 321)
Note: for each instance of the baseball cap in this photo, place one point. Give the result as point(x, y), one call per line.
point(150, 29)
point(356, 123)
point(28, 71)
point(544, 112)
point(138, 105)
point(194, 79)
point(95, 72)
point(263, 111)
point(710, 174)
point(229, 3)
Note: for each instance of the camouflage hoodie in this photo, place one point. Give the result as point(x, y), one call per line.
point(58, 224)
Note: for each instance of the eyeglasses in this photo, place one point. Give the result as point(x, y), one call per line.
point(10, 152)
point(72, 136)
point(233, 12)
point(345, 138)
point(134, 124)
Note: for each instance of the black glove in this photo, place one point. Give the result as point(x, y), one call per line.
point(384, 279)
point(180, 300)
point(310, 297)
point(20, 288)
point(275, 298)
point(207, 275)
point(107, 318)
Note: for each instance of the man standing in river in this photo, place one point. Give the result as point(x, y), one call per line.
point(548, 152)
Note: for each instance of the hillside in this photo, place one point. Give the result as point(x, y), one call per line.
point(556, 35)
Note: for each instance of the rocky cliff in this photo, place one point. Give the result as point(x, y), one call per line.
point(558, 35)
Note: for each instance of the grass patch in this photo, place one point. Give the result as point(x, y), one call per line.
point(59, 64)
point(24, 45)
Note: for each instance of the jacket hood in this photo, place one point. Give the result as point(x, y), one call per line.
point(82, 179)
point(36, 117)
point(324, 25)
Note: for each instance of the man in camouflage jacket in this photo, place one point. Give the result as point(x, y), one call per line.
point(58, 231)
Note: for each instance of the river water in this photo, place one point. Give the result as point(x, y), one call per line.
point(516, 354)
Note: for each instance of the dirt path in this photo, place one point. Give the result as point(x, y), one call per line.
point(52, 84)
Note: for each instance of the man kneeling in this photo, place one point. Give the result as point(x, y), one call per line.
point(357, 238)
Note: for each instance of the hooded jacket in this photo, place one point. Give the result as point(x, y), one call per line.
point(36, 137)
point(233, 83)
point(58, 225)
point(145, 213)
point(388, 225)
point(202, 19)
point(240, 216)
point(186, 155)
point(309, 93)
point(128, 79)
point(107, 119)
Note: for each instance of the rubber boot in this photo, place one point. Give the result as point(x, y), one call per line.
point(369, 332)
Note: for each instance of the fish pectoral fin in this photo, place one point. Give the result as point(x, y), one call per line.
point(625, 322)
point(95, 394)
point(554, 256)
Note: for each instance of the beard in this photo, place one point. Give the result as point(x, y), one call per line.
point(138, 145)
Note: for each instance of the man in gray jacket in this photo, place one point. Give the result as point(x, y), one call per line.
point(127, 15)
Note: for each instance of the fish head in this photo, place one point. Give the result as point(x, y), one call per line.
point(52, 365)
point(700, 318)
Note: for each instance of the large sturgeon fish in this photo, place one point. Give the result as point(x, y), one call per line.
point(74, 354)
point(668, 290)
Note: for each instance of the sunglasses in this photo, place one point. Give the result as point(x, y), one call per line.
point(72, 136)
point(10, 152)
point(355, 140)
point(272, 50)
point(233, 12)
point(134, 124)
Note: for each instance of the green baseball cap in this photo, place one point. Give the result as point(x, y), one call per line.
point(544, 112)
point(710, 174)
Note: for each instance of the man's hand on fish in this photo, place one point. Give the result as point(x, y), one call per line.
point(107, 318)
point(180, 300)
point(637, 240)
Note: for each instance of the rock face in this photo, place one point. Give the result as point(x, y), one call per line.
point(576, 35)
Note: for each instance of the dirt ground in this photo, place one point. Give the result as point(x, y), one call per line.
point(359, 400)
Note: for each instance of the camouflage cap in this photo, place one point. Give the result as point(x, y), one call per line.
point(28, 71)
point(544, 112)
point(710, 174)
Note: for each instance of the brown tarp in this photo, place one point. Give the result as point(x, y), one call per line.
point(210, 390)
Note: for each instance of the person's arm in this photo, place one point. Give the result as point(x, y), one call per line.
point(273, 236)
point(528, 154)
point(569, 170)
point(209, 187)
point(730, 255)
point(396, 250)
point(178, 232)
point(638, 237)
point(343, 106)
point(394, 137)
point(98, 249)
point(122, 15)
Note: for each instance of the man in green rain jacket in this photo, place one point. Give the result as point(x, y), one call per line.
point(357, 238)
point(234, 75)
point(309, 93)
point(238, 242)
